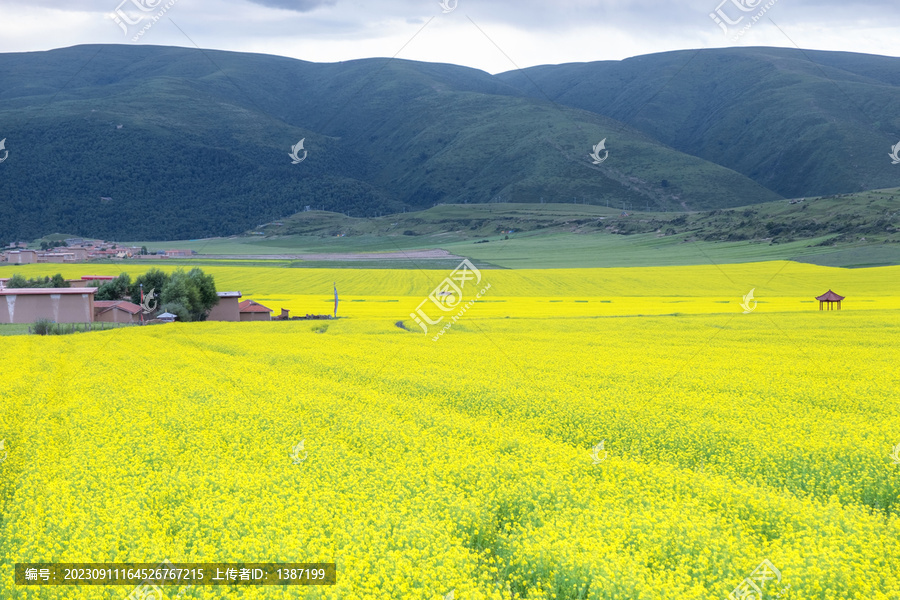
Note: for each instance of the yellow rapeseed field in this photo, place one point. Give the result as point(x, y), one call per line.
point(615, 434)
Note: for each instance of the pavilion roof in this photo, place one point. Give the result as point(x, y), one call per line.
point(829, 296)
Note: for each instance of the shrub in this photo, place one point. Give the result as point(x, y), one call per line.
point(117, 289)
point(178, 309)
point(18, 281)
point(42, 326)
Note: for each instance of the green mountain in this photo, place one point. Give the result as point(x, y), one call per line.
point(144, 142)
point(799, 122)
point(153, 142)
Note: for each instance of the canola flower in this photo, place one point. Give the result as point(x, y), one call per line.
point(468, 464)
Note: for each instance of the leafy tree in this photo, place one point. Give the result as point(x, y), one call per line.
point(178, 309)
point(194, 291)
point(154, 279)
point(17, 281)
point(182, 290)
point(206, 287)
point(58, 281)
point(117, 289)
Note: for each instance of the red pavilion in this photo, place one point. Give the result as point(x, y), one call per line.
point(830, 297)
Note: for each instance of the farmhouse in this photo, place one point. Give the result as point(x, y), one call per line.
point(60, 305)
point(254, 311)
point(80, 253)
point(116, 311)
point(228, 308)
point(55, 257)
point(22, 257)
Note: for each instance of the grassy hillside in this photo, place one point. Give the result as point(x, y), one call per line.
point(801, 123)
point(852, 230)
point(844, 217)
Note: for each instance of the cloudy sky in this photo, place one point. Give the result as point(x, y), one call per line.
point(493, 35)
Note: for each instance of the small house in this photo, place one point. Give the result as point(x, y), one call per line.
point(22, 257)
point(254, 311)
point(116, 311)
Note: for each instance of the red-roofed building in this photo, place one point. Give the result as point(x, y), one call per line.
point(116, 311)
point(830, 297)
point(254, 311)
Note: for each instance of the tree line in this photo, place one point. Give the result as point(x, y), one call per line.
point(57, 281)
point(187, 294)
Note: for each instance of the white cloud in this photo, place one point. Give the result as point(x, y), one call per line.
point(528, 32)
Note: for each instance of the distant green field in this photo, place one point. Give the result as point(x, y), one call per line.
point(851, 230)
point(596, 250)
point(536, 250)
